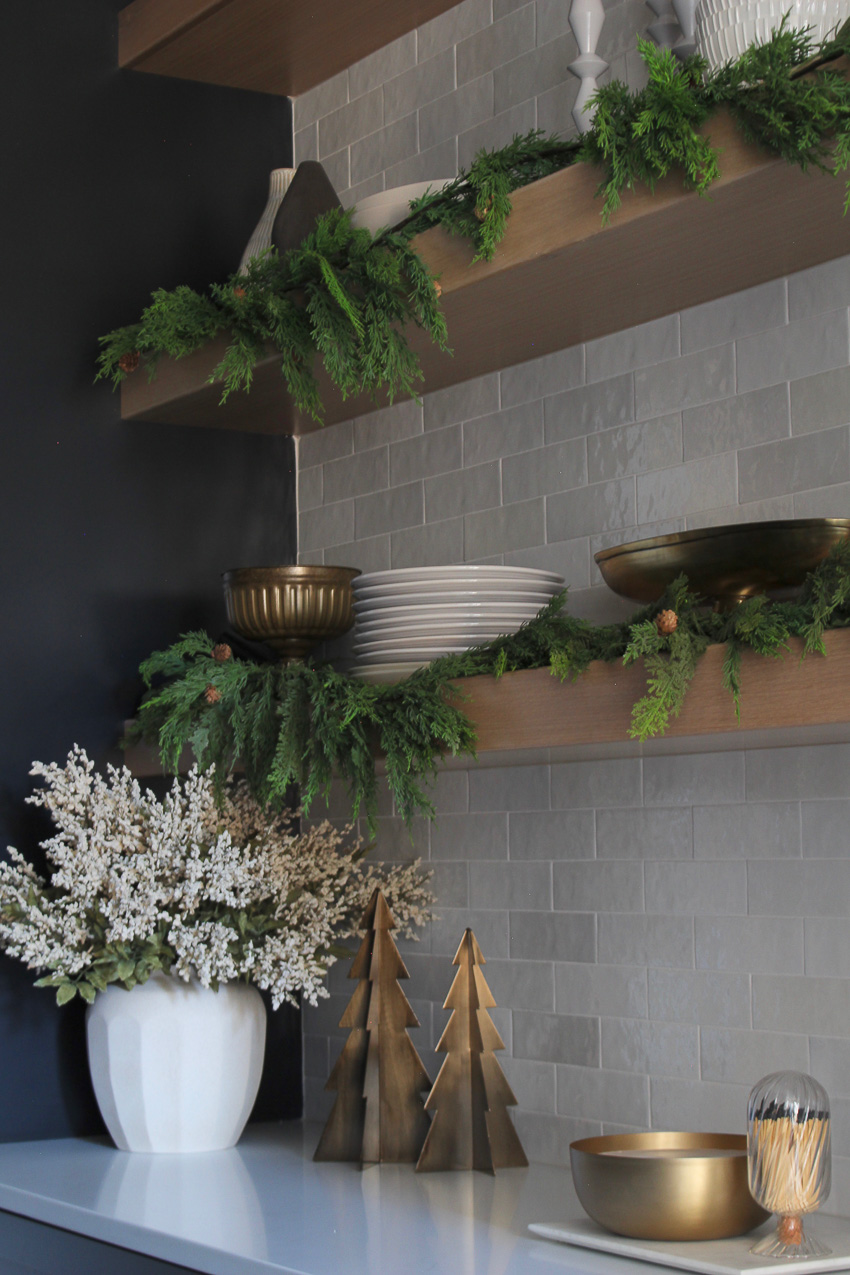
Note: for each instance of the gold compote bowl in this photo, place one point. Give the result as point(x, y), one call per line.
point(291, 609)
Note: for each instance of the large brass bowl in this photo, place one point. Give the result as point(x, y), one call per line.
point(666, 1186)
point(723, 564)
point(290, 608)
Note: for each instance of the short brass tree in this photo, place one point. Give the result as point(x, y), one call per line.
point(379, 1112)
point(471, 1128)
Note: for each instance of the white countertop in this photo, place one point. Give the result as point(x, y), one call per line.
point(265, 1206)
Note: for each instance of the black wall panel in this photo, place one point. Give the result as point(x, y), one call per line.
point(112, 536)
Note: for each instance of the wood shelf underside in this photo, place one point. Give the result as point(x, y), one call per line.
point(268, 46)
point(532, 717)
point(560, 278)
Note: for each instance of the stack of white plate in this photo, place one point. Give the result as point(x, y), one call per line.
point(408, 617)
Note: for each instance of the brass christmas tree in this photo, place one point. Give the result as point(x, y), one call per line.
point(379, 1113)
point(471, 1128)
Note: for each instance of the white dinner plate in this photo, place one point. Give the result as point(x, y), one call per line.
point(392, 617)
point(383, 674)
point(429, 628)
point(418, 655)
point(424, 574)
point(368, 646)
point(503, 584)
point(469, 599)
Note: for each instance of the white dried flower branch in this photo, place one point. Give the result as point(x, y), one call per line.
point(201, 887)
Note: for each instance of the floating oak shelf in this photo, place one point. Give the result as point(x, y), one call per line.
point(660, 253)
point(532, 717)
point(270, 46)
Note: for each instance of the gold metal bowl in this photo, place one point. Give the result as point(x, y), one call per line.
point(723, 564)
point(666, 1186)
point(290, 608)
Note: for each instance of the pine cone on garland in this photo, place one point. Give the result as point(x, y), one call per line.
point(129, 361)
point(212, 694)
point(221, 652)
point(666, 622)
point(239, 292)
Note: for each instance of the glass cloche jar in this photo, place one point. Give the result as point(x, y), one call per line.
point(789, 1158)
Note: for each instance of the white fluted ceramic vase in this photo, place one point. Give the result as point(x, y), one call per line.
point(176, 1066)
point(725, 28)
point(279, 181)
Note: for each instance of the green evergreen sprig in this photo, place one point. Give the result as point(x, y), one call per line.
point(306, 724)
point(347, 299)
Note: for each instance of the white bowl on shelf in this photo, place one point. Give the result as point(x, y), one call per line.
point(388, 207)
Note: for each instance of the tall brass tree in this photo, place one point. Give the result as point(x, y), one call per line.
point(471, 1128)
point(379, 1112)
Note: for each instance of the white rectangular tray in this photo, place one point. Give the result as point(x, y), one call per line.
point(711, 1257)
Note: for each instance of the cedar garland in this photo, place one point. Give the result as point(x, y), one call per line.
point(306, 723)
point(349, 298)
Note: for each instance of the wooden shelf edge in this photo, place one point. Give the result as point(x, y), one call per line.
point(786, 701)
point(531, 717)
point(268, 46)
point(661, 253)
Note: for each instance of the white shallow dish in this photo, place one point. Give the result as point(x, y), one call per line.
point(455, 573)
point(468, 601)
point(388, 207)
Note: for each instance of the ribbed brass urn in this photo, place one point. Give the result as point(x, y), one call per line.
point(291, 609)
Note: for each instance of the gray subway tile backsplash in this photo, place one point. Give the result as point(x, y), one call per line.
point(447, 30)
point(743, 1057)
point(374, 70)
point(659, 931)
point(495, 44)
point(800, 348)
point(685, 382)
point(552, 936)
point(544, 471)
point(762, 416)
point(612, 991)
point(751, 944)
point(649, 1048)
point(794, 464)
point(705, 997)
point(633, 449)
point(643, 346)
point(741, 314)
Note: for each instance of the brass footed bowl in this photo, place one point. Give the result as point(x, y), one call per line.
point(723, 564)
point(291, 609)
point(666, 1186)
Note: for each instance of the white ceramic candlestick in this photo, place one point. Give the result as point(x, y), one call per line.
point(686, 13)
point(586, 19)
point(665, 30)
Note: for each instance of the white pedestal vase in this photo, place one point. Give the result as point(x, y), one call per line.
point(176, 1066)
